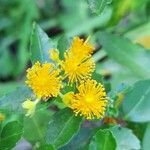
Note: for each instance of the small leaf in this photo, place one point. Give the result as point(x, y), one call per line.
point(126, 54)
point(125, 139)
point(10, 135)
point(63, 45)
point(103, 140)
point(136, 103)
point(62, 126)
point(98, 6)
point(40, 45)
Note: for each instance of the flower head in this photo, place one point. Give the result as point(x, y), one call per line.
point(79, 47)
point(44, 80)
point(77, 70)
point(90, 101)
point(78, 64)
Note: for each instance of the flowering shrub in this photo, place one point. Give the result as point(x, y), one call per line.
point(72, 100)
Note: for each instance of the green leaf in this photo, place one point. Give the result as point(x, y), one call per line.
point(10, 135)
point(14, 100)
point(80, 140)
point(145, 142)
point(62, 126)
point(63, 45)
point(40, 45)
point(136, 103)
point(103, 140)
point(35, 127)
point(46, 147)
point(126, 54)
point(98, 6)
point(125, 139)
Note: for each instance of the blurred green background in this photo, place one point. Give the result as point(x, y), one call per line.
point(130, 18)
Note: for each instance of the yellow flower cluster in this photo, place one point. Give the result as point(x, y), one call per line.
point(46, 81)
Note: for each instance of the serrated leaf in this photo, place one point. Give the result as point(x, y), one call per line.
point(126, 53)
point(40, 45)
point(97, 6)
point(13, 100)
point(125, 138)
point(10, 135)
point(62, 126)
point(136, 103)
point(103, 140)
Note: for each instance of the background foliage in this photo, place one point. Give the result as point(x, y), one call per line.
point(120, 31)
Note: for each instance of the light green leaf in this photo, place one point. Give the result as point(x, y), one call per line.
point(14, 100)
point(103, 140)
point(10, 135)
point(35, 127)
point(136, 104)
point(62, 126)
point(97, 6)
point(40, 45)
point(126, 54)
point(146, 138)
point(125, 139)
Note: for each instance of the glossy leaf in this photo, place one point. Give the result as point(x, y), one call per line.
point(62, 126)
point(136, 103)
point(103, 140)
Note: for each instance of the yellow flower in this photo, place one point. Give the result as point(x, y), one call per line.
point(30, 106)
point(79, 47)
point(78, 64)
point(90, 101)
point(2, 117)
point(77, 70)
point(44, 80)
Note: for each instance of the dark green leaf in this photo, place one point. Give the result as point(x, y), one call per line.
point(62, 126)
point(40, 45)
point(10, 135)
point(103, 140)
point(136, 103)
point(125, 139)
point(126, 53)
